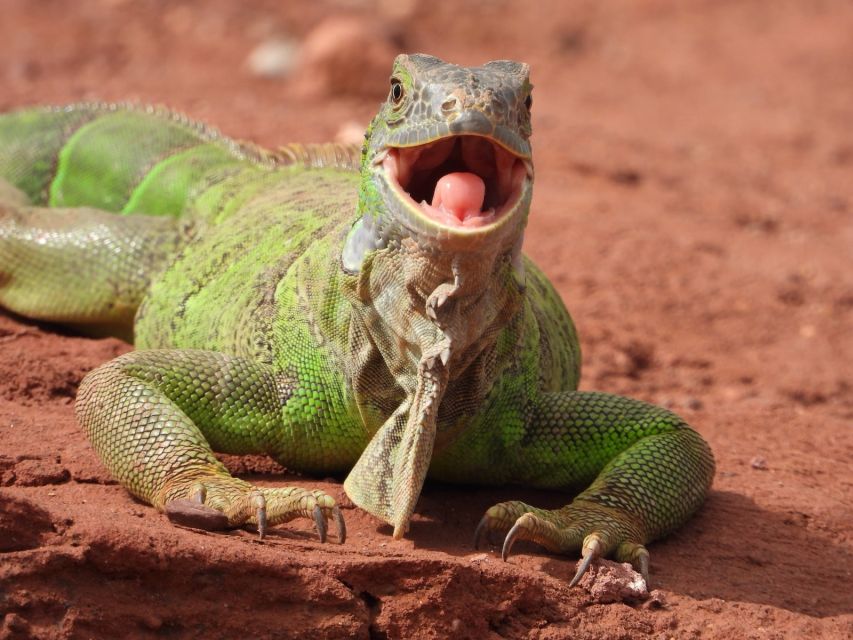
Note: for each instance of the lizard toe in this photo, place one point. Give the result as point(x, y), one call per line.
point(637, 555)
point(216, 503)
point(531, 526)
point(340, 524)
point(320, 523)
point(598, 532)
point(287, 503)
point(593, 547)
point(498, 519)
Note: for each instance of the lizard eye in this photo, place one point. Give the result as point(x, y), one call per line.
point(396, 91)
point(528, 101)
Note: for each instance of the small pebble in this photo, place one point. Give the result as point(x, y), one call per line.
point(273, 58)
point(13, 622)
point(344, 56)
point(350, 132)
point(758, 462)
point(657, 600)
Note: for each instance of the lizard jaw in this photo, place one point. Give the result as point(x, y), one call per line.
point(460, 183)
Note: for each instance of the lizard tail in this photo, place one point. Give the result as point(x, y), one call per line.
point(117, 158)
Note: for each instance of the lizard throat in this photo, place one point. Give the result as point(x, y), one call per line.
point(463, 181)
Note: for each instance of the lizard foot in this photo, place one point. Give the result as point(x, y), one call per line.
point(230, 503)
point(596, 530)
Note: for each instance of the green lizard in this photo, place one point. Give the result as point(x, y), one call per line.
point(383, 321)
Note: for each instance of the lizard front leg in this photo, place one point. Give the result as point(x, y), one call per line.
point(651, 473)
point(154, 418)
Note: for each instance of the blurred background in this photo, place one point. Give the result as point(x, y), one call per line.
point(694, 159)
point(693, 206)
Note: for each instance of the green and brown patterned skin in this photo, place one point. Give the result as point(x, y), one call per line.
point(285, 303)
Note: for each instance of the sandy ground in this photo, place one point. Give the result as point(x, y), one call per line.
point(694, 207)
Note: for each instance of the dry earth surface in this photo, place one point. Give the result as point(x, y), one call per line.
point(694, 206)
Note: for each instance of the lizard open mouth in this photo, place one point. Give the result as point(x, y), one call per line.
point(459, 181)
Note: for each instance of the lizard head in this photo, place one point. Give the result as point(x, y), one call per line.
point(446, 184)
point(448, 154)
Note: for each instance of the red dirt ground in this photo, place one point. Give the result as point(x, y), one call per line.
point(694, 206)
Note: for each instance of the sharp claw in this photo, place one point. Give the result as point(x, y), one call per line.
point(636, 554)
point(643, 561)
point(259, 502)
point(198, 493)
point(591, 550)
point(479, 531)
point(582, 569)
point(510, 540)
point(262, 521)
point(341, 525)
point(320, 522)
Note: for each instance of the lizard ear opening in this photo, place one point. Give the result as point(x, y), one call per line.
point(361, 240)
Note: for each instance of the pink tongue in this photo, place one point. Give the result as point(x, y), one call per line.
point(460, 194)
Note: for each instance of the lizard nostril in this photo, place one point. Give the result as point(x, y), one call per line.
point(450, 105)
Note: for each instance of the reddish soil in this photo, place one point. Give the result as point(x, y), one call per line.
point(694, 207)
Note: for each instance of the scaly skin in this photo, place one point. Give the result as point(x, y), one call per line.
point(283, 303)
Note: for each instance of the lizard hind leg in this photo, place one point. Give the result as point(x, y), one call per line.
point(81, 267)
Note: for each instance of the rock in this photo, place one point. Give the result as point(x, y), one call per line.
point(397, 9)
point(609, 581)
point(14, 626)
point(758, 462)
point(350, 132)
point(273, 58)
point(345, 56)
point(657, 600)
